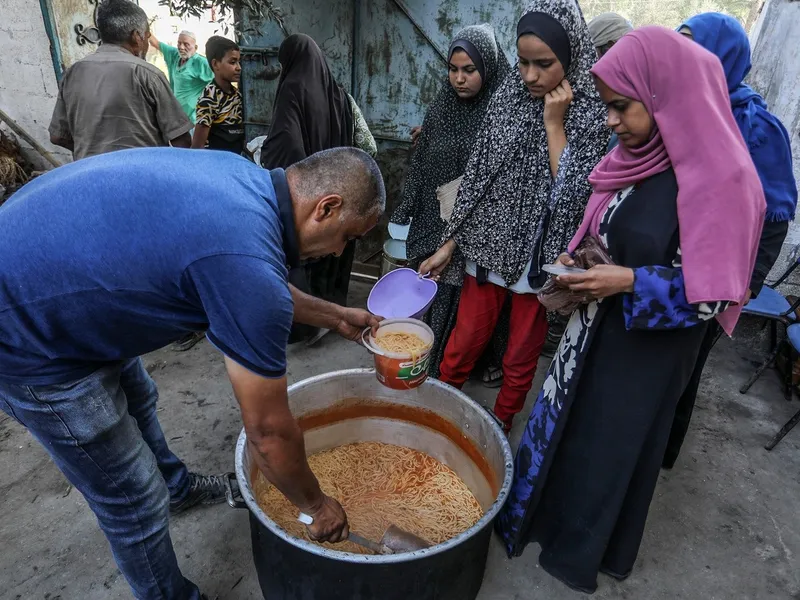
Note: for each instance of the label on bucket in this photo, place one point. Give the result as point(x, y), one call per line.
point(410, 370)
point(402, 374)
point(400, 371)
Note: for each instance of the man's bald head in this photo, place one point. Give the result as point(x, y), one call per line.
point(337, 195)
point(348, 172)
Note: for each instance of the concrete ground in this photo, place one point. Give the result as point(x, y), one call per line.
point(725, 523)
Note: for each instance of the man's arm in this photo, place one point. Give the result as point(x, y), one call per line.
point(204, 72)
point(347, 322)
point(60, 133)
point(64, 143)
point(200, 136)
point(182, 141)
point(154, 41)
point(171, 54)
point(204, 117)
point(275, 442)
point(172, 121)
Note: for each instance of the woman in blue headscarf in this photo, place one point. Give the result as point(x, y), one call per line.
point(770, 149)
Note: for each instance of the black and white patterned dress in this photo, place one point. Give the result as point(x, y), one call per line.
point(505, 214)
point(443, 148)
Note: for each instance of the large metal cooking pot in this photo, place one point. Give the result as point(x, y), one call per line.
point(349, 406)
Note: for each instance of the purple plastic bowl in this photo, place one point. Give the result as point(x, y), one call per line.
point(401, 294)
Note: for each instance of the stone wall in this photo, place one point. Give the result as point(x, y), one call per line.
point(28, 86)
point(775, 39)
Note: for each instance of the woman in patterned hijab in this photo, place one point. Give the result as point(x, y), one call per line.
point(477, 66)
point(523, 195)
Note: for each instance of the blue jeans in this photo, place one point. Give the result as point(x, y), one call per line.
point(103, 433)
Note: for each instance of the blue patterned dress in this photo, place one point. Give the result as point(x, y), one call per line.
point(590, 455)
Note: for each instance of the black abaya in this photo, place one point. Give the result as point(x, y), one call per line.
point(589, 460)
point(769, 247)
point(312, 113)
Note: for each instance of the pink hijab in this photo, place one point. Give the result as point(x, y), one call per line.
point(720, 199)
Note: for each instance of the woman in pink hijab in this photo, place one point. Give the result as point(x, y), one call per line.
point(679, 207)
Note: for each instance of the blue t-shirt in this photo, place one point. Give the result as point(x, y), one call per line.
point(113, 256)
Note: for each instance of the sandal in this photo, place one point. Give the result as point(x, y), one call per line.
point(492, 377)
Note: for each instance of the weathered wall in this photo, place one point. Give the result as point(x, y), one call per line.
point(776, 75)
point(28, 87)
point(387, 53)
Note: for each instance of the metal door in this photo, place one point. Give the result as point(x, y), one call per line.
point(401, 54)
point(329, 22)
point(71, 27)
point(390, 55)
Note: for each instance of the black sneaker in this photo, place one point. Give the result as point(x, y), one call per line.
point(550, 347)
point(553, 339)
point(188, 342)
point(203, 489)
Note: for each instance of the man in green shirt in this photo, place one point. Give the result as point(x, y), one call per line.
point(189, 72)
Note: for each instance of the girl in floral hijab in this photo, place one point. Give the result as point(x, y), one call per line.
point(523, 194)
point(442, 150)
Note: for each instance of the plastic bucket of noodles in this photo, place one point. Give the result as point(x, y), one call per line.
point(400, 370)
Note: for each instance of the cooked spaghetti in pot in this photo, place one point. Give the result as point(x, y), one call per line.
point(380, 485)
point(402, 343)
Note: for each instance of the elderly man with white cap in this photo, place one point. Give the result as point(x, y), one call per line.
point(189, 72)
point(606, 30)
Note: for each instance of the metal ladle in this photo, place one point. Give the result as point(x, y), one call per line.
point(393, 541)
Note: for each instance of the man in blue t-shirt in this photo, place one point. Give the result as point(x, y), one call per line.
point(117, 255)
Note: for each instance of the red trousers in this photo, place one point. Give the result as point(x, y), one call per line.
point(478, 311)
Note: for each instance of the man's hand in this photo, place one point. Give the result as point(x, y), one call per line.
point(600, 281)
point(330, 522)
point(347, 322)
point(353, 321)
point(276, 444)
point(415, 131)
point(182, 141)
point(200, 136)
point(64, 143)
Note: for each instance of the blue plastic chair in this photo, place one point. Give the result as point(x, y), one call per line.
point(775, 309)
point(793, 338)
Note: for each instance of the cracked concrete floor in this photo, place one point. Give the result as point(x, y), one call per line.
point(725, 523)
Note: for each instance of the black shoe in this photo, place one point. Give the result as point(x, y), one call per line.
point(551, 343)
point(203, 489)
point(617, 576)
point(553, 339)
point(317, 336)
point(189, 341)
